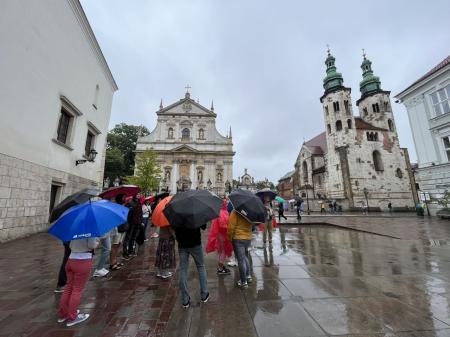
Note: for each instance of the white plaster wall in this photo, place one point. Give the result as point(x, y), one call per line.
point(47, 54)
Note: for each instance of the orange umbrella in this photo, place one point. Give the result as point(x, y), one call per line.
point(158, 217)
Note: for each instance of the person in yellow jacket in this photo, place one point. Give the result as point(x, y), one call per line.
point(240, 234)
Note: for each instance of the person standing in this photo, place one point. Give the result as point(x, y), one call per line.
point(390, 207)
point(281, 212)
point(117, 235)
point(190, 244)
point(105, 250)
point(135, 222)
point(322, 208)
point(62, 277)
point(268, 211)
point(78, 269)
point(218, 241)
point(298, 205)
point(146, 215)
point(240, 234)
point(165, 253)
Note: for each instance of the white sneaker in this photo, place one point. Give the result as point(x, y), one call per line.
point(80, 318)
point(166, 275)
point(101, 273)
point(62, 320)
point(232, 263)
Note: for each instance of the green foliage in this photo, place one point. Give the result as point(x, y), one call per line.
point(148, 172)
point(124, 137)
point(114, 163)
point(264, 184)
point(445, 200)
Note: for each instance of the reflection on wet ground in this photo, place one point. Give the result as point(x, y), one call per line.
point(327, 281)
point(314, 281)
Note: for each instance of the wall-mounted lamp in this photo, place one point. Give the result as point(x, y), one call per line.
point(90, 158)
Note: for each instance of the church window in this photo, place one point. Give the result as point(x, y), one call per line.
point(319, 179)
point(441, 101)
point(305, 172)
point(219, 177)
point(399, 173)
point(390, 125)
point(338, 125)
point(185, 134)
point(63, 126)
point(326, 110)
point(377, 161)
point(170, 133)
point(347, 109)
point(372, 136)
point(375, 107)
point(329, 128)
point(446, 141)
point(201, 134)
point(89, 143)
point(386, 106)
point(349, 123)
point(336, 106)
point(365, 112)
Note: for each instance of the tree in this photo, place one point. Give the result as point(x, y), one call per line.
point(114, 164)
point(148, 172)
point(124, 137)
point(264, 184)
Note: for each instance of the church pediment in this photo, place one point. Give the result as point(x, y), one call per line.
point(186, 106)
point(184, 148)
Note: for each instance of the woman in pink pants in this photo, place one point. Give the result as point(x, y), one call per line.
point(78, 270)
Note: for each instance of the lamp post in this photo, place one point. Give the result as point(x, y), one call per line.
point(366, 193)
point(307, 187)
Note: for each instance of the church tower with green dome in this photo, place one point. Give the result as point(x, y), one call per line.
point(340, 130)
point(375, 103)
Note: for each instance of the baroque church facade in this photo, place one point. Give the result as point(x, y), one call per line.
point(358, 159)
point(191, 153)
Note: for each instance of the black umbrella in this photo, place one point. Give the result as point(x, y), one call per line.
point(161, 195)
point(72, 200)
point(192, 209)
point(248, 205)
point(266, 192)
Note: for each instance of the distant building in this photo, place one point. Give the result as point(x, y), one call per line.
point(427, 101)
point(246, 182)
point(191, 152)
point(285, 187)
point(55, 96)
point(357, 159)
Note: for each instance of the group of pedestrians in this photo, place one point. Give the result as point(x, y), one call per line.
point(230, 232)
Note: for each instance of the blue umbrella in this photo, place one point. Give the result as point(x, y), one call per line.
point(91, 219)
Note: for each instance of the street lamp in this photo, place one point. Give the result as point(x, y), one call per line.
point(307, 187)
point(366, 193)
point(90, 157)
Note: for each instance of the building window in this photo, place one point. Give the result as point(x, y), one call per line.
point(399, 173)
point(386, 106)
point(446, 141)
point(390, 125)
point(372, 136)
point(347, 109)
point(201, 134)
point(326, 110)
point(170, 133)
point(185, 134)
point(305, 172)
point(336, 106)
point(338, 125)
point(329, 128)
point(377, 162)
point(349, 123)
point(89, 143)
point(375, 107)
point(365, 112)
point(440, 100)
point(55, 195)
point(63, 126)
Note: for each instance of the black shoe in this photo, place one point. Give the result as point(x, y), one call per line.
point(223, 271)
point(204, 300)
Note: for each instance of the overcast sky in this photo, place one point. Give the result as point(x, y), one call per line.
point(263, 62)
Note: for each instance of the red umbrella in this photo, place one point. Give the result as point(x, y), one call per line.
point(127, 190)
point(150, 198)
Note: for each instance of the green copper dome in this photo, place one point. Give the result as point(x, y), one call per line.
point(333, 80)
point(370, 82)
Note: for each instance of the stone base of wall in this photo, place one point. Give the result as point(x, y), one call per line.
point(25, 195)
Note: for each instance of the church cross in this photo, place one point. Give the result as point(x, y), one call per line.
point(187, 88)
point(364, 53)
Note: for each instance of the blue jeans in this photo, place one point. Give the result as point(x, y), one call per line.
point(197, 253)
point(105, 246)
point(240, 249)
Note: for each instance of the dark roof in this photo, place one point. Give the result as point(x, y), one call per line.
point(287, 175)
point(318, 144)
point(438, 67)
point(363, 125)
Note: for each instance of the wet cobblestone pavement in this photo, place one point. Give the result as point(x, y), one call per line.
point(315, 281)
